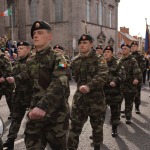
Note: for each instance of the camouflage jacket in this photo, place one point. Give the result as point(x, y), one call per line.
point(141, 60)
point(47, 70)
point(5, 71)
point(22, 84)
point(90, 70)
point(116, 74)
point(132, 72)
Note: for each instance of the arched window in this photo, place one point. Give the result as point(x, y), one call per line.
point(88, 10)
point(33, 10)
point(58, 10)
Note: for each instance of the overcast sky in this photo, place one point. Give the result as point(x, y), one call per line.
point(132, 14)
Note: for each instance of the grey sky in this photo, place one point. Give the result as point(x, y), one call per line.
point(132, 14)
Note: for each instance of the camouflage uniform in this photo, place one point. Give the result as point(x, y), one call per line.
point(22, 97)
point(92, 71)
point(6, 88)
point(114, 94)
point(129, 89)
point(50, 93)
point(142, 64)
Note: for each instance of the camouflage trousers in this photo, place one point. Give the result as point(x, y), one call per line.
point(81, 110)
point(114, 102)
point(137, 100)
point(18, 113)
point(39, 133)
point(129, 100)
point(20, 104)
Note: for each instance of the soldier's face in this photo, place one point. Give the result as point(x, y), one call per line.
point(99, 51)
point(134, 48)
point(85, 46)
point(41, 38)
point(125, 51)
point(23, 51)
point(108, 54)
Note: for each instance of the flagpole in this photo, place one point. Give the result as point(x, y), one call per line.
point(12, 25)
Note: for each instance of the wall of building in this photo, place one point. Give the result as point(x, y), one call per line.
point(68, 31)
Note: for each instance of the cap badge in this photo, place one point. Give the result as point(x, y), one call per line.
point(83, 37)
point(37, 24)
point(21, 43)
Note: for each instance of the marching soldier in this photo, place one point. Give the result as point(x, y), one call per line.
point(142, 65)
point(22, 96)
point(90, 74)
point(49, 111)
point(60, 49)
point(99, 51)
point(133, 77)
point(112, 88)
point(6, 88)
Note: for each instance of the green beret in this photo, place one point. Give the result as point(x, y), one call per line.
point(134, 43)
point(23, 44)
point(37, 25)
point(57, 46)
point(85, 37)
point(125, 45)
point(109, 48)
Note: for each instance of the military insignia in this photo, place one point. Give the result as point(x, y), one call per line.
point(83, 37)
point(21, 43)
point(37, 24)
point(108, 47)
point(62, 65)
point(57, 46)
point(103, 61)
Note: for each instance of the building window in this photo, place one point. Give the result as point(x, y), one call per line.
point(33, 10)
point(110, 18)
point(88, 11)
point(100, 17)
point(58, 10)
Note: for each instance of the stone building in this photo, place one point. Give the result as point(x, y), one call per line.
point(69, 20)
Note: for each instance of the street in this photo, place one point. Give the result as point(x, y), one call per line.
point(130, 137)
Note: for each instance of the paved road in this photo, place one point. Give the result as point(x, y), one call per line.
point(131, 137)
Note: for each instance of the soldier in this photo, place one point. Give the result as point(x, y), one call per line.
point(99, 51)
point(23, 91)
point(6, 88)
point(90, 74)
point(60, 49)
point(49, 111)
point(142, 64)
point(112, 88)
point(133, 76)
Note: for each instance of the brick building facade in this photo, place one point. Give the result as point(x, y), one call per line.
point(69, 19)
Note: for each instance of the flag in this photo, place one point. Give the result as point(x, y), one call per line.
point(146, 39)
point(6, 13)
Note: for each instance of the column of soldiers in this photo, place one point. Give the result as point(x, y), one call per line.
point(42, 86)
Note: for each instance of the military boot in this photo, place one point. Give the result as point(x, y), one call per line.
point(97, 147)
point(137, 110)
point(9, 144)
point(128, 119)
point(91, 137)
point(114, 131)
